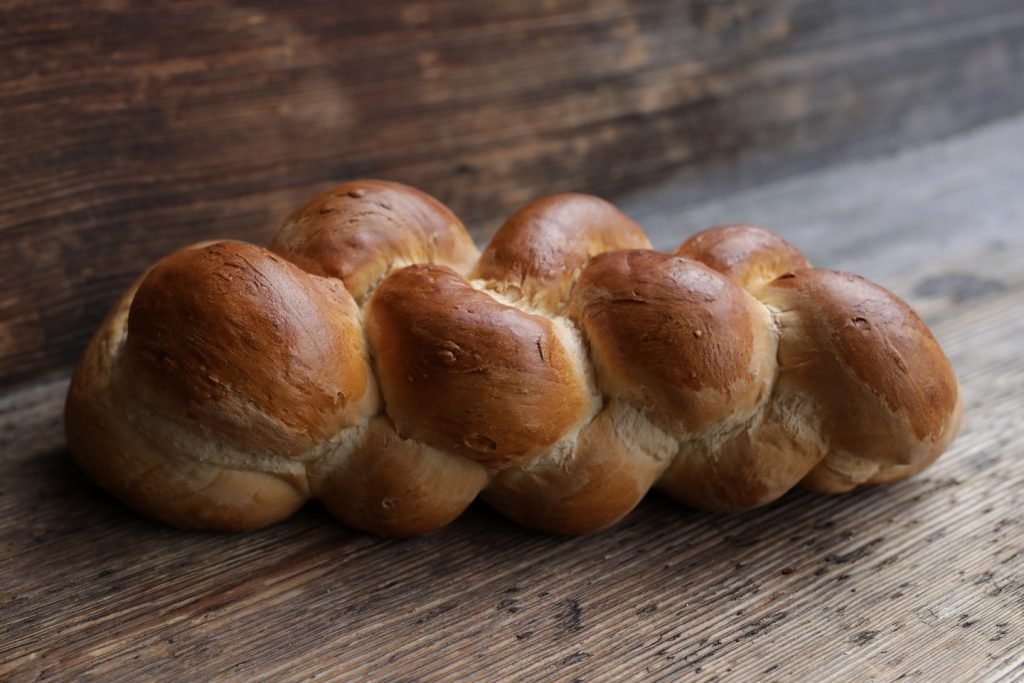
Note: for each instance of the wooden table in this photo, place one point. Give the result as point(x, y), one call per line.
point(922, 580)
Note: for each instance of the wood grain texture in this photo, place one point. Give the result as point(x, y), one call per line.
point(130, 128)
point(922, 580)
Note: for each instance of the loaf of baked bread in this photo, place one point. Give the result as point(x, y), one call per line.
point(373, 359)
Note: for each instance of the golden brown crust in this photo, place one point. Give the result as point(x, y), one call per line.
point(750, 466)
point(467, 374)
point(238, 339)
point(167, 486)
point(612, 466)
point(539, 250)
point(749, 254)
point(883, 386)
point(674, 337)
point(359, 231)
point(145, 471)
point(228, 383)
point(393, 486)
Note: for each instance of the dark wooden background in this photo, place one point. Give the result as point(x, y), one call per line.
point(128, 129)
point(882, 136)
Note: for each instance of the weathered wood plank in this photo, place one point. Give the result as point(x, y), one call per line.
point(923, 579)
point(880, 218)
point(128, 129)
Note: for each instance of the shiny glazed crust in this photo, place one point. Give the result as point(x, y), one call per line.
point(371, 358)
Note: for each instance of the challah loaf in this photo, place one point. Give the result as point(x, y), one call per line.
point(371, 358)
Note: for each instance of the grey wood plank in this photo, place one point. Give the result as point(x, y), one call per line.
point(923, 580)
point(877, 217)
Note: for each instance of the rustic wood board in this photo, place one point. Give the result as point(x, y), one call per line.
point(922, 580)
point(129, 128)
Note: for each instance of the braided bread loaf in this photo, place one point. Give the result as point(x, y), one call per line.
point(373, 359)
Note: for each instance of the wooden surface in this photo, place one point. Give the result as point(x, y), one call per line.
point(130, 128)
point(922, 580)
